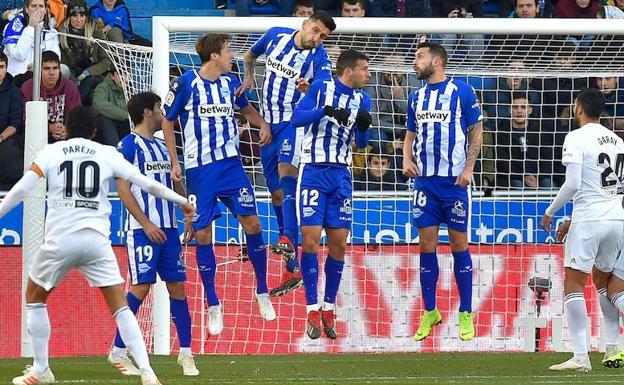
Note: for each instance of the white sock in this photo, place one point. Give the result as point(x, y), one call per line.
point(314, 307)
point(118, 352)
point(38, 325)
point(611, 316)
point(328, 306)
point(185, 352)
point(576, 315)
point(132, 337)
point(618, 300)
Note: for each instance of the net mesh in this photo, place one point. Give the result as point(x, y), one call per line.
point(526, 85)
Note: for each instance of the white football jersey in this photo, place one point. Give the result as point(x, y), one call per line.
point(79, 173)
point(600, 152)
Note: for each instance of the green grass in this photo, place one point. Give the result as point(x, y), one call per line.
point(465, 368)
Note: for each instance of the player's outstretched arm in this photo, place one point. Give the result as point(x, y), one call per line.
point(566, 192)
point(249, 62)
point(153, 232)
point(410, 169)
point(254, 118)
point(475, 140)
point(19, 191)
point(170, 142)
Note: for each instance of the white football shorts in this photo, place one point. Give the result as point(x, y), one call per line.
point(592, 244)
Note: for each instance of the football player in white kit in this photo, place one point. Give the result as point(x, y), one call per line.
point(594, 160)
point(77, 229)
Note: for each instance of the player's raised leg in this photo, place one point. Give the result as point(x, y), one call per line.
point(207, 266)
point(38, 324)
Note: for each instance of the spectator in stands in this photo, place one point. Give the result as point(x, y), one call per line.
point(113, 16)
point(243, 7)
point(11, 128)
point(303, 8)
point(331, 6)
point(497, 102)
point(617, 3)
point(9, 10)
point(110, 104)
point(61, 94)
point(523, 153)
point(467, 45)
point(352, 8)
point(87, 61)
point(380, 174)
point(389, 94)
point(576, 9)
point(19, 37)
point(399, 8)
point(610, 12)
point(524, 9)
point(613, 116)
point(57, 10)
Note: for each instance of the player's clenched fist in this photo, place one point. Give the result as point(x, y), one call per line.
point(363, 120)
point(340, 114)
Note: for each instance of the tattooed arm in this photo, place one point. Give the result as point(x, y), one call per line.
point(475, 139)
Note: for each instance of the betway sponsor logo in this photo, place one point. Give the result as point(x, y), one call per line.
point(281, 69)
point(157, 167)
point(214, 110)
point(435, 116)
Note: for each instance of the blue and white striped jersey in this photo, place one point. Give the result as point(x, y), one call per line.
point(285, 63)
point(326, 141)
point(206, 111)
point(440, 115)
point(152, 159)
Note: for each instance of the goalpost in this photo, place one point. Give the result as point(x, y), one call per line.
point(379, 301)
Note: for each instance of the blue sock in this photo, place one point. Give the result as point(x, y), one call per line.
point(258, 257)
point(182, 320)
point(289, 210)
point(333, 275)
point(133, 303)
point(309, 270)
point(207, 266)
point(429, 272)
point(280, 218)
point(462, 265)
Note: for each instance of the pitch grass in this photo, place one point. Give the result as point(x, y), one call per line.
point(465, 368)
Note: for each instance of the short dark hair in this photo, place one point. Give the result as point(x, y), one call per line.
point(4, 58)
point(352, 2)
point(139, 102)
point(592, 101)
point(348, 59)
point(303, 3)
point(520, 95)
point(516, 3)
point(81, 122)
point(325, 18)
point(377, 152)
point(48, 56)
point(436, 50)
point(210, 43)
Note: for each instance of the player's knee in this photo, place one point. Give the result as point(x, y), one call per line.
point(458, 243)
point(204, 236)
point(276, 197)
point(287, 169)
point(338, 250)
point(251, 224)
point(140, 290)
point(309, 245)
point(176, 290)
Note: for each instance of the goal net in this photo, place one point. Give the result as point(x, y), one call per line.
point(526, 84)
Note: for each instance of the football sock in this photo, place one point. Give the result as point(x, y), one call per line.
point(207, 266)
point(333, 275)
point(309, 271)
point(280, 218)
point(182, 320)
point(133, 303)
point(576, 315)
point(429, 272)
point(611, 316)
point(38, 325)
point(258, 257)
point(289, 210)
point(462, 266)
point(131, 335)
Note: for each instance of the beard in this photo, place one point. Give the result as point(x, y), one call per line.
point(425, 73)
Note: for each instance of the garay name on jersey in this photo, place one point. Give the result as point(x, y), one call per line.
point(607, 140)
point(76, 149)
point(281, 69)
point(435, 116)
point(214, 110)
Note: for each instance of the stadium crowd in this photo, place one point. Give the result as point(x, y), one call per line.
point(526, 118)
